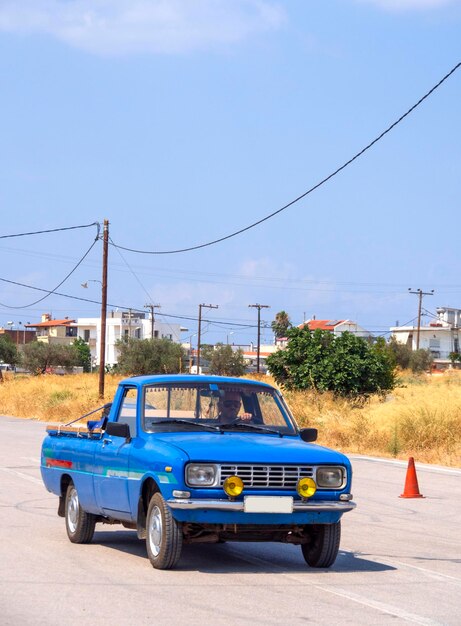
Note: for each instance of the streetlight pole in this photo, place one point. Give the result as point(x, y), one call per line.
point(200, 307)
point(102, 348)
point(259, 307)
point(420, 293)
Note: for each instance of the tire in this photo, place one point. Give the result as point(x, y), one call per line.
point(163, 534)
point(323, 548)
point(79, 525)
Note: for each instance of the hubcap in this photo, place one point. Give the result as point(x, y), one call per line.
point(72, 510)
point(155, 530)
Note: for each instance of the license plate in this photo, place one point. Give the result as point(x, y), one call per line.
point(268, 504)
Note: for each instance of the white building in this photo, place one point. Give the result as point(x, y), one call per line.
point(441, 336)
point(120, 324)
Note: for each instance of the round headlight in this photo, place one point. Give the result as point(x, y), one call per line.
point(306, 487)
point(233, 486)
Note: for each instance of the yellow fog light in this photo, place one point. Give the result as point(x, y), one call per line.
point(306, 487)
point(233, 486)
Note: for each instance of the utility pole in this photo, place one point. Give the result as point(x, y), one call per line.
point(420, 293)
point(102, 348)
point(129, 323)
point(200, 307)
point(152, 307)
point(259, 307)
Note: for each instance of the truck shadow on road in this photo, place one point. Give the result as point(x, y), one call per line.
point(241, 557)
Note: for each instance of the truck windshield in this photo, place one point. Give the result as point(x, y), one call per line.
point(177, 407)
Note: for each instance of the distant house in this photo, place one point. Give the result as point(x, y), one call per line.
point(62, 332)
point(337, 327)
point(250, 356)
point(441, 336)
point(19, 336)
point(123, 324)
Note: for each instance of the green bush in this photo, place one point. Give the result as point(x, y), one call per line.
point(84, 354)
point(420, 361)
point(400, 353)
point(39, 356)
point(223, 360)
point(347, 365)
point(149, 356)
point(8, 351)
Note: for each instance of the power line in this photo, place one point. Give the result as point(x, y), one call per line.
point(49, 293)
point(306, 193)
point(119, 306)
point(53, 230)
point(166, 323)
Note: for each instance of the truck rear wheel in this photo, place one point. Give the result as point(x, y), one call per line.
point(163, 534)
point(79, 525)
point(323, 548)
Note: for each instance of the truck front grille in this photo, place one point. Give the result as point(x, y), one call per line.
point(267, 476)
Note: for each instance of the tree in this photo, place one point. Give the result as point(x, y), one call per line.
point(8, 353)
point(223, 360)
point(281, 324)
point(38, 356)
point(400, 353)
point(84, 353)
point(347, 365)
point(421, 361)
point(149, 356)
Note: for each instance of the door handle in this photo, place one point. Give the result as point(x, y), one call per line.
point(106, 442)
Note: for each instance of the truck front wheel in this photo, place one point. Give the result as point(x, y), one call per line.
point(79, 525)
point(323, 548)
point(163, 534)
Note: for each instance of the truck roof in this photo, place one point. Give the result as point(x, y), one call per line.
point(152, 379)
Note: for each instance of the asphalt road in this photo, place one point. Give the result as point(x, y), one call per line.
point(400, 559)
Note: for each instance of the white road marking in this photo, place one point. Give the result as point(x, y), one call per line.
point(32, 479)
point(430, 573)
point(420, 466)
point(35, 460)
point(380, 606)
point(349, 595)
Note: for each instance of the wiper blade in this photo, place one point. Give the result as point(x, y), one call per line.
point(180, 421)
point(251, 427)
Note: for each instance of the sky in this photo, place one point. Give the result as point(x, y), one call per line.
point(184, 121)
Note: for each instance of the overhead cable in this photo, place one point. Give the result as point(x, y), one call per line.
point(52, 291)
point(319, 184)
point(114, 306)
point(53, 230)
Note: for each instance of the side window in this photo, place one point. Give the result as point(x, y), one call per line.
point(127, 412)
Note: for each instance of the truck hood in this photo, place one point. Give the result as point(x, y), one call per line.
point(251, 448)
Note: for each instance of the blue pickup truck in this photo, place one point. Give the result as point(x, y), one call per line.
point(186, 459)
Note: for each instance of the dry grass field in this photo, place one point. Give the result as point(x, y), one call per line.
point(421, 418)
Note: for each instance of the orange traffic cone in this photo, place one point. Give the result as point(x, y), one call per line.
point(411, 489)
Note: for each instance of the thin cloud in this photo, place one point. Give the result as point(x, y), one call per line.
point(120, 27)
point(408, 5)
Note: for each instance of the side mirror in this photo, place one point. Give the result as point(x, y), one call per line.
point(118, 429)
point(309, 434)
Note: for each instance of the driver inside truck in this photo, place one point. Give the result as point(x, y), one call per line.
point(229, 405)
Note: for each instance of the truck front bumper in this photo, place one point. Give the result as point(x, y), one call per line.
point(299, 506)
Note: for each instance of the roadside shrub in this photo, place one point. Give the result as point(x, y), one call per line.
point(347, 365)
point(420, 361)
point(149, 356)
point(223, 360)
point(39, 357)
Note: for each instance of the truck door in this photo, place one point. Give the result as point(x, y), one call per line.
point(112, 462)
